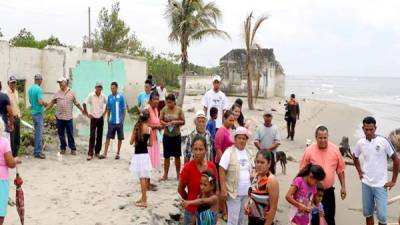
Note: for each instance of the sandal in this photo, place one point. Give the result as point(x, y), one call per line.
point(89, 158)
point(117, 157)
point(163, 179)
point(141, 204)
point(102, 157)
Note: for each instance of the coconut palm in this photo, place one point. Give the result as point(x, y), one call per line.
point(249, 34)
point(191, 20)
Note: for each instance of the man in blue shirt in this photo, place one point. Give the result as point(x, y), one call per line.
point(144, 96)
point(116, 107)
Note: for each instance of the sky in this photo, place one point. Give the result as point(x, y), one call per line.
point(313, 37)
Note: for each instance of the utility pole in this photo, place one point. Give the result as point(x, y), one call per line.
point(90, 40)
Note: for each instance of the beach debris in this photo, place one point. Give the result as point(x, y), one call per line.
point(394, 137)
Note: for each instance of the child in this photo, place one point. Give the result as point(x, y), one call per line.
point(211, 124)
point(264, 192)
point(300, 192)
point(140, 163)
point(317, 212)
point(207, 202)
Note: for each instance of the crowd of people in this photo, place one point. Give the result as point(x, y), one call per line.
point(220, 175)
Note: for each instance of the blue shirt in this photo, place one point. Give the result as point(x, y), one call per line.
point(212, 127)
point(35, 94)
point(116, 104)
point(4, 102)
point(142, 99)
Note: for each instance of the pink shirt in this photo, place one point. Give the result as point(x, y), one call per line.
point(222, 140)
point(154, 119)
point(4, 148)
point(329, 159)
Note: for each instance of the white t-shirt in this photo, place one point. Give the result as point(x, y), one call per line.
point(375, 154)
point(217, 100)
point(162, 93)
point(244, 174)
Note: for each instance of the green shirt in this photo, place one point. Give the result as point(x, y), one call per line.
point(35, 94)
point(169, 115)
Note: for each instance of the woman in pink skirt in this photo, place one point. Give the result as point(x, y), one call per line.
point(154, 123)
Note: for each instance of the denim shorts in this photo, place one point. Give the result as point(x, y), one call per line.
point(115, 129)
point(375, 198)
point(187, 218)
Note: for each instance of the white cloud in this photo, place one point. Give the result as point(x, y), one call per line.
point(308, 36)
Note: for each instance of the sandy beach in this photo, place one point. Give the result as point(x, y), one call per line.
point(70, 190)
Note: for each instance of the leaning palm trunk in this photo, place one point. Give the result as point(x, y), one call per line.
point(258, 84)
point(249, 82)
point(184, 65)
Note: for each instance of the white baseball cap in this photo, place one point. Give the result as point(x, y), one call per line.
point(200, 114)
point(216, 78)
point(61, 79)
point(240, 130)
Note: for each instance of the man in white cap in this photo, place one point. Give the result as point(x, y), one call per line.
point(97, 101)
point(200, 130)
point(15, 136)
point(215, 98)
point(65, 99)
point(267, 138)
point(37, 108)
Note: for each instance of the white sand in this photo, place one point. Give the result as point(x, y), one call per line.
point(73, 191)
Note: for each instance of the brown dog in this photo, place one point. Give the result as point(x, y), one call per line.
point(281, 157)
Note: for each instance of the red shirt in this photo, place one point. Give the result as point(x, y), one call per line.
point(190, 177)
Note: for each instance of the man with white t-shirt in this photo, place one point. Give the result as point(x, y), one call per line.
point(375, 150)
point(215, 98)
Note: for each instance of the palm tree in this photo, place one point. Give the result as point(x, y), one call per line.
point(191, 20)
point(249, 35)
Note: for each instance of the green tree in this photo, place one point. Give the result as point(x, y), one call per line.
point(54, 41)
point(191, 20)
point(249, 34)
point(111, 34)
point(24, 39)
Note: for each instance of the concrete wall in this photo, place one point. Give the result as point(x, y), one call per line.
point(54, 62)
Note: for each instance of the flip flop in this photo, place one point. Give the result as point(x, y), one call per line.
point(89, 158)
point(163, 179)
point(102, 157)
point(141, 204)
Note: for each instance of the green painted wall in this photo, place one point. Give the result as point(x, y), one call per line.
point(88, 72)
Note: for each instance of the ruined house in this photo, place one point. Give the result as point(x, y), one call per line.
point(81, 66)
point(271, 75)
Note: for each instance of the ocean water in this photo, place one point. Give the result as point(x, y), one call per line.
point(378, 95)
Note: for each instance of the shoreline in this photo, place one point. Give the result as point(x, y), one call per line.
point(72, 190)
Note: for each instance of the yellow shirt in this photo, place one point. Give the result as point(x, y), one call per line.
point(14, 101)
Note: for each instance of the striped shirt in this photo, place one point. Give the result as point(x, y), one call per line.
point(65, 100)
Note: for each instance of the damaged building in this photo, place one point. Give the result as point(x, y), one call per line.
point(81, 66)
point(266, 68)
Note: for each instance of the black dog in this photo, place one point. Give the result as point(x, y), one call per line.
point(281, 157)
point(344, 148)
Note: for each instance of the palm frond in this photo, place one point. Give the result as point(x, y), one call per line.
point(257, 25)
point(199, 35)
point(247, 31)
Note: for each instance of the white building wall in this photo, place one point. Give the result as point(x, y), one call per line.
point(54, 62)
